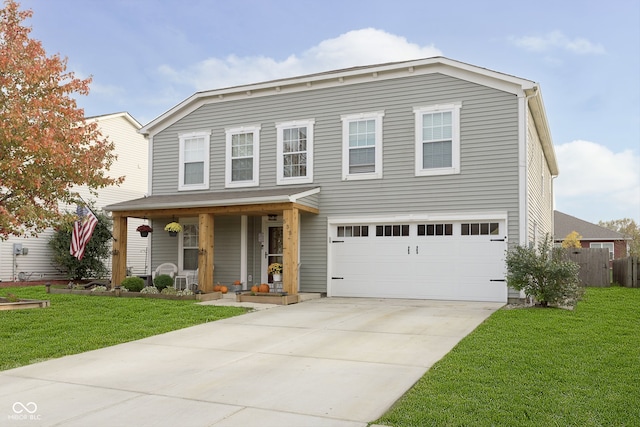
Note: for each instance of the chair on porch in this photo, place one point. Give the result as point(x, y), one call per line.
point(192, 279)
point(167, 268)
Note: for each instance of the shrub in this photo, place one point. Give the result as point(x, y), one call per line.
point(543, 273)
point(184, 293)
point(133, 284)
point(163, 281)
point(149, 290)
point(99, 289)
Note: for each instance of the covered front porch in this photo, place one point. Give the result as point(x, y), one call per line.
point(286, 204)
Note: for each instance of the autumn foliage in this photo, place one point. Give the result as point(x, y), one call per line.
point(46, 148)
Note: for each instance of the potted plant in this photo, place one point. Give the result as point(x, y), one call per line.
point(144, 230)
point(173, 228)
point(275, 269)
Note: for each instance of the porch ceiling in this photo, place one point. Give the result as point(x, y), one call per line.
point(245, 202)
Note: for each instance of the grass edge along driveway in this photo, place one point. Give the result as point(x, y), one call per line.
point(77, 323)
point(535, 367)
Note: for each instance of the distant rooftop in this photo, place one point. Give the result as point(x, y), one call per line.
point(565, 224)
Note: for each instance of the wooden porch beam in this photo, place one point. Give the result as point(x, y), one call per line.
point(205, 252)
point(290, 227)
point(119, 250)
point(260, 209)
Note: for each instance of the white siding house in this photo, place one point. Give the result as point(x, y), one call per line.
point(132, 151)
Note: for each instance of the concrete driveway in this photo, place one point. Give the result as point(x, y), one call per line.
point(339, 362)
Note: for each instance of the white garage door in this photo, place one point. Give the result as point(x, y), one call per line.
point(448, 260)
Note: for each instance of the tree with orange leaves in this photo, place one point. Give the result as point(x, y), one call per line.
point(46, 148)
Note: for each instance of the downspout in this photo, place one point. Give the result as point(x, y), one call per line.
point(523, 166)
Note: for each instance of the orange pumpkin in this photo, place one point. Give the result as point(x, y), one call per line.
point(264, 288)
point(224, 289)
point(255, 288)
point(216, 288)
point(237, 283)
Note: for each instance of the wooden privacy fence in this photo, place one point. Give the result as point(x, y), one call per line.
point(626, 271)
point(594, 265)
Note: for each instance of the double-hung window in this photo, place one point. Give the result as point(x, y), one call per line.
point(194, 161)
point(437, 139)
point(362, 146)
point(295, 152)
point(603, 245)
point(242, 159)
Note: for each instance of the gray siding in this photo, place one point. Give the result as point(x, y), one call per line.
point(489, 154)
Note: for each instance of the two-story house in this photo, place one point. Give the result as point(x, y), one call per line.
point(30, 258)
point(399, 180)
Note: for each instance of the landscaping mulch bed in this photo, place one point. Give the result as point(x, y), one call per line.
point(34, 283)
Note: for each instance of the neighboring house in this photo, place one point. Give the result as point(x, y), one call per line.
point(400, 180)
point(132, 162)
point(593, 235)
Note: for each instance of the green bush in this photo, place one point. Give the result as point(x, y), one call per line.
point(544, 273)
point(162, 281)
point(133, 284)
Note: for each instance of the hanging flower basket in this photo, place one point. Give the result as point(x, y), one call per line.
point(173, 228)
point(144, 230)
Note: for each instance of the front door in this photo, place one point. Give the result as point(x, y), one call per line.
point(272, 247)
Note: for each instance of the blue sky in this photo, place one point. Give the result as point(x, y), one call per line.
point(145, 56)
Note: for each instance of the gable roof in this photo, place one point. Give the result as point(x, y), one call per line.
point(564, 224)
point(124, 114)
point(483, 76)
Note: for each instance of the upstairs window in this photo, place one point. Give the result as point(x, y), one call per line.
point(437, 139)
point(295, 152)
point(242, 159)
point(194, 161)
point(362, 146)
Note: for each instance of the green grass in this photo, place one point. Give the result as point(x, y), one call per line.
point(537, 367)
point(77, 323)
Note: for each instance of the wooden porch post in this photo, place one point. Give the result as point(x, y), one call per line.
point(119, 252)
point(290, 227)
point(205, 252)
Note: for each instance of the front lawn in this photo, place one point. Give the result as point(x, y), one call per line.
point(77, 323)
point(537, 367)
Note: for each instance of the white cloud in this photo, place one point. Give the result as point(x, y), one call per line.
point(359, 47)
point(557, 39)
point(596, 182)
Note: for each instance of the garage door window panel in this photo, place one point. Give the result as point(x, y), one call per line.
point(435, 229)
point(480, 229)
point(353, 231)
point(392, 230)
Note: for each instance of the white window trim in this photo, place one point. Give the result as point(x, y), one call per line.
point(348, 118)
point(600, 245)
point(182, 138)
point(255, 129)
point(454, 108)
point(280, 127)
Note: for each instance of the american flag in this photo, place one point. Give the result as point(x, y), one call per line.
point(82, 231)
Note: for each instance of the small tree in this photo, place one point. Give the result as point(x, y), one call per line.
point(629, 228)
point(46, 147)
point(572, 240)
point(98, 249)
point(543, 273)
